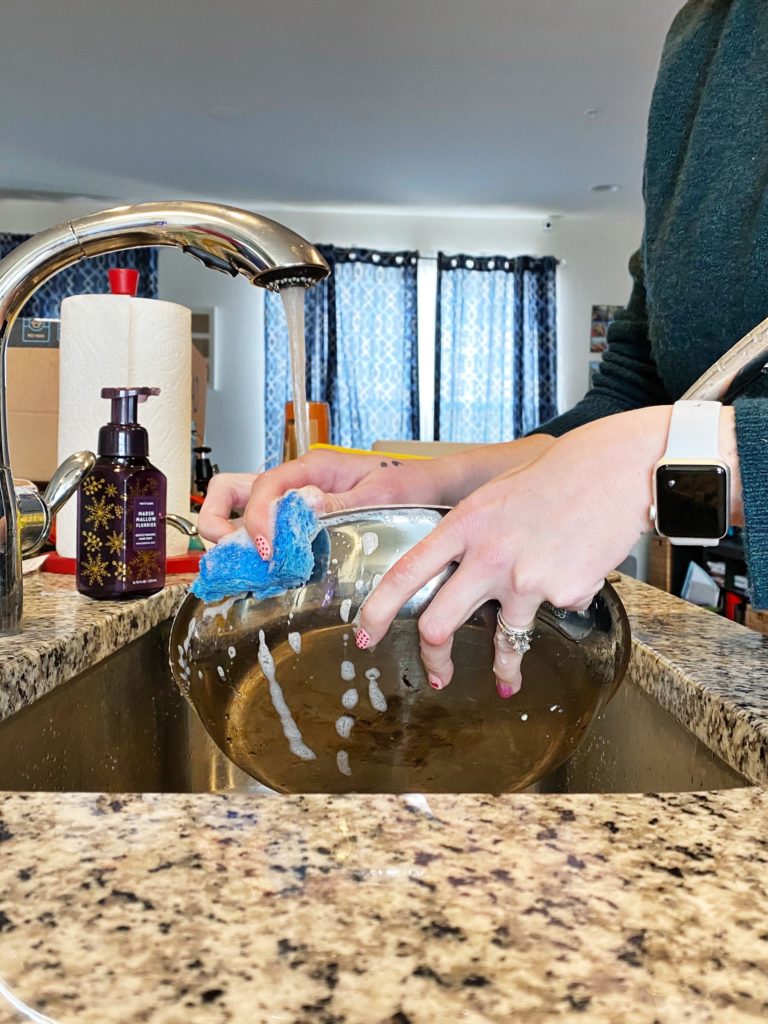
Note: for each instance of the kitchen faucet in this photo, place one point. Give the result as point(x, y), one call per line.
point(223, 238)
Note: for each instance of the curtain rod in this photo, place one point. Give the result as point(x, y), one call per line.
point(433, 259)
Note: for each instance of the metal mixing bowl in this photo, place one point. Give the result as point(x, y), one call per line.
point(281, 687)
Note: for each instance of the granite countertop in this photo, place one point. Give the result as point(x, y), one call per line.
point(387, 910)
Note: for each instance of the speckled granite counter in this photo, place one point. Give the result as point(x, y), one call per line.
point(384, 910)
point(65, 633)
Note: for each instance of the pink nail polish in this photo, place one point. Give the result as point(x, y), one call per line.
point(262, 546)
point(504, 691)
point(435, 682)
point(362, 639)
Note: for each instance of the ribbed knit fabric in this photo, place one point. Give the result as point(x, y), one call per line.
point(752, 441)
point(701, 275)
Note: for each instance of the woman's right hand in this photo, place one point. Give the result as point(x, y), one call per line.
point(332, 481)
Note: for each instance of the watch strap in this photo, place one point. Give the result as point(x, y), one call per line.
point(694, 431)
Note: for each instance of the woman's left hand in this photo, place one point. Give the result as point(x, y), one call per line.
point(550, 531)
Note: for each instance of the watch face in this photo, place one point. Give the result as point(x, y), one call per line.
point(691, 501)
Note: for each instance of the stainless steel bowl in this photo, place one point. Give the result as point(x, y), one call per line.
point(285, 693)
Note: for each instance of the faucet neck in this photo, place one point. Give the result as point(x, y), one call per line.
point(222, 237)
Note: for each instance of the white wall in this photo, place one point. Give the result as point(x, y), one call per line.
point(594, 249)
point(234, 418)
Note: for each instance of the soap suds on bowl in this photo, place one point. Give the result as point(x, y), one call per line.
point(221, 672)
point(294, 642)
point(370, 542)
point(231, 652)
point(347, 671)
point(342, 762)
point(344, 726)
point(291, 731)
point(220, 608)
point(344, 610)
point(375, 696)
point(350, 698)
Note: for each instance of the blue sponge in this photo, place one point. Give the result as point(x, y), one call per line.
point(234, 566)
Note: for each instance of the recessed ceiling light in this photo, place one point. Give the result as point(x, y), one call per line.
point(605, 188)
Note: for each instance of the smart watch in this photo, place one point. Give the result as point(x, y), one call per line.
point(691, 483)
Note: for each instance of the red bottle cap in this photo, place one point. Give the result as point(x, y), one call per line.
point(123, 281)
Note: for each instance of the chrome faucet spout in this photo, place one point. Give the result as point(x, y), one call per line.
point(223, 238)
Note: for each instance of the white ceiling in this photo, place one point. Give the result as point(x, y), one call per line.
point(438, 103)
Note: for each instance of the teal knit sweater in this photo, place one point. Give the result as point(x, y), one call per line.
point(701, 274)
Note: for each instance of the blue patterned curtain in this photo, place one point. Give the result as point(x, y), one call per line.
point(362, 356)
point(496, 347)
point(88, 276)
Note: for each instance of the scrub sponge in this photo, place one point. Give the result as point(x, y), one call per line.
point(234, 566)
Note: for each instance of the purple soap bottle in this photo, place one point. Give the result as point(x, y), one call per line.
point(121, 508)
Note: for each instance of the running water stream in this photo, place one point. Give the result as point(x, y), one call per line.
point(293, 302)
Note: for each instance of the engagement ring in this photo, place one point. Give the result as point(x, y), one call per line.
point(518, 639)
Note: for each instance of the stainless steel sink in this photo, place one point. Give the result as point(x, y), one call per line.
point(123, 727)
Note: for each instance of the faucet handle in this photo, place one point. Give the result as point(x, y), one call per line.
point(67, 478)
point(36, 511)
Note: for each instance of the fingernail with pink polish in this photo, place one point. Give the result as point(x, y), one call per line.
point(504, 690)
point(362, 639)
point(262, 546)
point(435, 682)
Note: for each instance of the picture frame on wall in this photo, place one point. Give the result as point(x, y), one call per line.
point(602, 316)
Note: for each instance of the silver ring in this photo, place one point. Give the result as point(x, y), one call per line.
point(518, 639)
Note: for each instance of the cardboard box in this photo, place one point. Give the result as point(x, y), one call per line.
point(32, 391)
point(757, 620)
point(660, 573)
point(33, 398)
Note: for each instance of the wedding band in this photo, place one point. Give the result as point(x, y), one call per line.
point(518, 639)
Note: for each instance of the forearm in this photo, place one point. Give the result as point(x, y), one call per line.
point(459, 474)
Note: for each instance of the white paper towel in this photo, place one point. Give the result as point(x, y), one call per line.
point(121, 341)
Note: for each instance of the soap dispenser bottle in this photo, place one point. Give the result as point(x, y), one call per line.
point(121, 508)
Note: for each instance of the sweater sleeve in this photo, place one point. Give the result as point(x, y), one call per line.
point(627, 378)
point(752, 445)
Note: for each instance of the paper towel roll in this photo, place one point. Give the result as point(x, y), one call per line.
point(120, 341)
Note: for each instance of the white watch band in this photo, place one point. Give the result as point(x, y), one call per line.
point(694, 431)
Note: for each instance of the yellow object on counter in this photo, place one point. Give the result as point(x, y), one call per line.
point(365, 451)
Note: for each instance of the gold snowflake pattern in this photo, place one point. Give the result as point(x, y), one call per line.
point(100, 513)
point(93, 485)
point(121, 571)
point(114, 543)
point(143, 565)
point(138, 488)
point(90, 541)
point(111, 491)
point(95, 570)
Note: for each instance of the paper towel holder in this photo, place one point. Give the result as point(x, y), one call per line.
point(223, 238)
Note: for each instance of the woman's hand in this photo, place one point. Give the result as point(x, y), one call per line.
point(550, 531)
point(329, 481)
point(334, 481)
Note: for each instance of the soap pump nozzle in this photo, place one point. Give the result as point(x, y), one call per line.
point(124, 436)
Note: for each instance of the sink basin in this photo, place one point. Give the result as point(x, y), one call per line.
point(123, 727)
